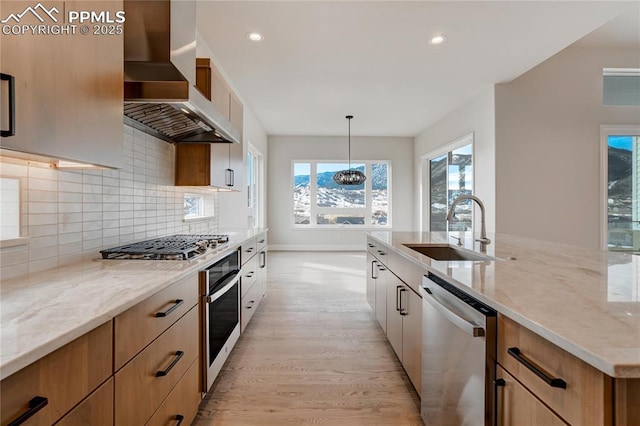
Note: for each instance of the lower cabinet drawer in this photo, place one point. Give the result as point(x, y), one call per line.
point(249, 304)
point(64, 378)
point(143, 383)
point(517, 406)
point(182, 403)
point(249, 274)
point(579, 393)
point(96, 410)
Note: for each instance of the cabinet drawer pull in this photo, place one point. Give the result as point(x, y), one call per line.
point(261, 241)
point(554, 382)
point(398, 302)
point(36, 404)
point(12, 105)
point(381, 253)
point(497, 419)
point(176, 303)
point(179, 419)
point(229, 176)
point(263, 259)
point(178, 355)
point(403, 311)
point(250, 274)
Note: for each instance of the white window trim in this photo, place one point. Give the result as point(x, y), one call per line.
point(607, 130)
point(314, 209)
point(425, 182)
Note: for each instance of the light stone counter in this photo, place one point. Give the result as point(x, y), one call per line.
point(586, 302)
point(42, 312)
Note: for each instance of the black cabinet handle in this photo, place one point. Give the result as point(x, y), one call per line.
point(229, 178)
point(179, 419)
point(249, 250)
point(250, 274)
point(178, 355)
point(36, 404)
point(381, 253)
point(263, 259)
point(554, 382)
point(373, 264)
point(12, 105)
point(371, 245)
point(176, 303)
point(398, 307)
point(403, 312)
point(262, 241)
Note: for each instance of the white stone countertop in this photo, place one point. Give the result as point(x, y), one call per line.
point(584, 301)
point(42, 312)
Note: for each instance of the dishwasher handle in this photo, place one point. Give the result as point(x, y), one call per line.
point(464, 325)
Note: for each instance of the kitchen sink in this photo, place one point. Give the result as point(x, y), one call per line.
point(449, 252)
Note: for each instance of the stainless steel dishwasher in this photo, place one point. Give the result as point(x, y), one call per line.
point(458, 356)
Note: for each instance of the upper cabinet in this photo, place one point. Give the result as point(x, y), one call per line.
point(66, 80)
point(220, 165)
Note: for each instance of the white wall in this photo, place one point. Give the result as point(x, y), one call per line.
point(233, 208)
point(284, 149)
point(476, 116)
point(548, 145)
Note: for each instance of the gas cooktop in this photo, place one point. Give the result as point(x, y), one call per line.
point(174, 247)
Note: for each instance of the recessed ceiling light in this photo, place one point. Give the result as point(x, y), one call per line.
point(438, 39)
point(255, 36)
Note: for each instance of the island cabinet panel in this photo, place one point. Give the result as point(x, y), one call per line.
point(139, 325)
point(96, 410)
point(518, 406)
point(64, 377)
point(587, 398)
point(627, 403)
point(142, 384)
point(372, 275)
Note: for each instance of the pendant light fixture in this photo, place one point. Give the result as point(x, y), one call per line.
point(349, 176)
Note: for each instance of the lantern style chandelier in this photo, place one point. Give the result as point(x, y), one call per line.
point(349, 176)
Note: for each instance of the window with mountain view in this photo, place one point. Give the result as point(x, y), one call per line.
point(319, 201)
point(451, 175)
point(623, 185)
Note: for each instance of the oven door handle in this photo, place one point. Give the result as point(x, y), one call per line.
point(210, 298)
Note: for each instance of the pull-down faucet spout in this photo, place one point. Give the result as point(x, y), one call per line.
point(483, 240)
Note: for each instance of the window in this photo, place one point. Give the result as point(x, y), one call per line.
point(198, 206)
point(621, 86)
point(623, 191)
point(10, 208)
point(448, 175)
point(254, 165)
point(320, 202)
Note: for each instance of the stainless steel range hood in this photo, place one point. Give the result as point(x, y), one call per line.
point(158, 99)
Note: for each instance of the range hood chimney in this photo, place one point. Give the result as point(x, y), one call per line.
point(158, 99)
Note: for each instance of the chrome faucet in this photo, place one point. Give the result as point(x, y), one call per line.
point(483, 240)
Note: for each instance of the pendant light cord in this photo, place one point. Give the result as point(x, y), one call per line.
point(349, 117)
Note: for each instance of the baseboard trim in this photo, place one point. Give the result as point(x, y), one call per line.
point(316, 247)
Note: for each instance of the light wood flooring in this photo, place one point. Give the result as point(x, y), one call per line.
point(313, 353)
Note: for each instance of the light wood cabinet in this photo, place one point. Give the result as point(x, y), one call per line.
point(141, 324)
point(155, 371)
point(96, 410)
point(64, 377)
point(517, 406)
point(181, 405)
point(577, 392)
point(68, 87)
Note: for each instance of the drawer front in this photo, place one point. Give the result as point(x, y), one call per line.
point(182, 402)
point(262, 242)
point(587, 398)
point(249, 274)
point(96, 410)
point(140, 387)
point(249, 304)
point(517, 406)
point(138, 326)
point(249, 249)
point(64, 378)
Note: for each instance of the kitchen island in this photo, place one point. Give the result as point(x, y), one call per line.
point(580, 304)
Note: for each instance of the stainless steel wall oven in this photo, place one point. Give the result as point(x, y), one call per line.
point(220, 313)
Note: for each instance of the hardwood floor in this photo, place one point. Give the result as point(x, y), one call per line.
point(313, 353)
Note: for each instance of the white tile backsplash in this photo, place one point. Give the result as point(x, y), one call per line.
point(71, 215)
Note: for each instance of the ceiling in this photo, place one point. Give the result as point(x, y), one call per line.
point(322, 60)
